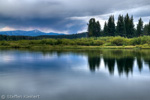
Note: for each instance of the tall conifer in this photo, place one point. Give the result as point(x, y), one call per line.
point(139, 28)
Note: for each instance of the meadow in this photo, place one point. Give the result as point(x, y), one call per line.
point(79, 43)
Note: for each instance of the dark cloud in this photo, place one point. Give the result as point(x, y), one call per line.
point(58, 23)
point(57, 14)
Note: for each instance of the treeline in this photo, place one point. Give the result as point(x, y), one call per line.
point(125, 27)
point(72, 36)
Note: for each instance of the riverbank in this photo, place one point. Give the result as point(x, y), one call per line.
point(49, 47)
point(81, 43)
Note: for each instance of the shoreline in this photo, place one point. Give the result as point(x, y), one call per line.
point(58, 47)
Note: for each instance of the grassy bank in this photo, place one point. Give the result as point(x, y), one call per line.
point(82, 43)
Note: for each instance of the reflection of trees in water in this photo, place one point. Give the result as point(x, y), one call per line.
point(147, 61)
point(124, 61)
point(94, 62)
point(139, 60)
point(110, 63)
point(124, 58)
point(139, 63)
point(125, 65)
point(120, 65)
point(129, 65)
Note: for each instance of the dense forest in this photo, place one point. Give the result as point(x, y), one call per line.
point(125, 27)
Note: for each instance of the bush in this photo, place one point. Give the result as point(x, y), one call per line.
point(15, 46)
point(145, 40)
point(5, 43)
point(51, 41)
point(31, 42)
point(59, 41)
point(136, 41)
point(43, 41)
point(118, 41)
point(109, 44)
point(98, 42)
point(66, 41)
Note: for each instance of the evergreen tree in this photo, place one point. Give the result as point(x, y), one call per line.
point(111, 26)
point(132, 30)
point(129, 26)
point(98, 29)
point(120, 29)
point(91, 27)
point(145, 29)
point(149, 28)
point(94, 28)
point(139, 28)
point(105, 30)
point(126, 21)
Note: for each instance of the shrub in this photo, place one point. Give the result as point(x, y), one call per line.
point(66, 41)
point(146, 45)
point(15, 46)
point(51, 42)
point(145, 39)
point(98, 42)
point(31, 42)
point(59, 41)
point(136, 41)
point(5, 43)
point(43, 41)
point(118, 41)
point(109, 44)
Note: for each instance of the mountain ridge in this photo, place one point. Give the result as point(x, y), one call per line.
point(27, 33)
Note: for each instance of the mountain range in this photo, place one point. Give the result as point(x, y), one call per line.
point(27, 33)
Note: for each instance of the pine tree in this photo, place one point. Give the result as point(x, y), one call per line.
point(91, 27)
point(105, 30)
point(139, 28)
point(120, 29)
point(145, 29)
point(132, 30)
point(98, 29)
point(149, 28)
point(111, 26)
point(126, 21)
point(129, 26)
point(94, 28)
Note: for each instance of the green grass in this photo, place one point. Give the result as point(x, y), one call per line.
point(82, 43)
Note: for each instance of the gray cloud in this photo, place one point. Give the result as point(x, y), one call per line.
point(56, 14)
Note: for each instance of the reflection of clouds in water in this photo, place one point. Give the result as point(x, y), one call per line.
point(6, 58)
point(75, 85)
point(77, 62)
point(80, 64)
point(68, 77)
point(30, 57)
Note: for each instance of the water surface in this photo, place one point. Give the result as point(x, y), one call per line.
point(76, 75)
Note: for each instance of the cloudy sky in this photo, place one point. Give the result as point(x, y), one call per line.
point(66, 16)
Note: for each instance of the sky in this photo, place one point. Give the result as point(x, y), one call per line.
point(66, 16)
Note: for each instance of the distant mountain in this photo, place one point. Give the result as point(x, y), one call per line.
point(70, 36)
point(27, 33)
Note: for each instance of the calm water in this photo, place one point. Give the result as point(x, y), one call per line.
point(76, 75)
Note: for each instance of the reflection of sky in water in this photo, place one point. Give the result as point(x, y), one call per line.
point(67, 76)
